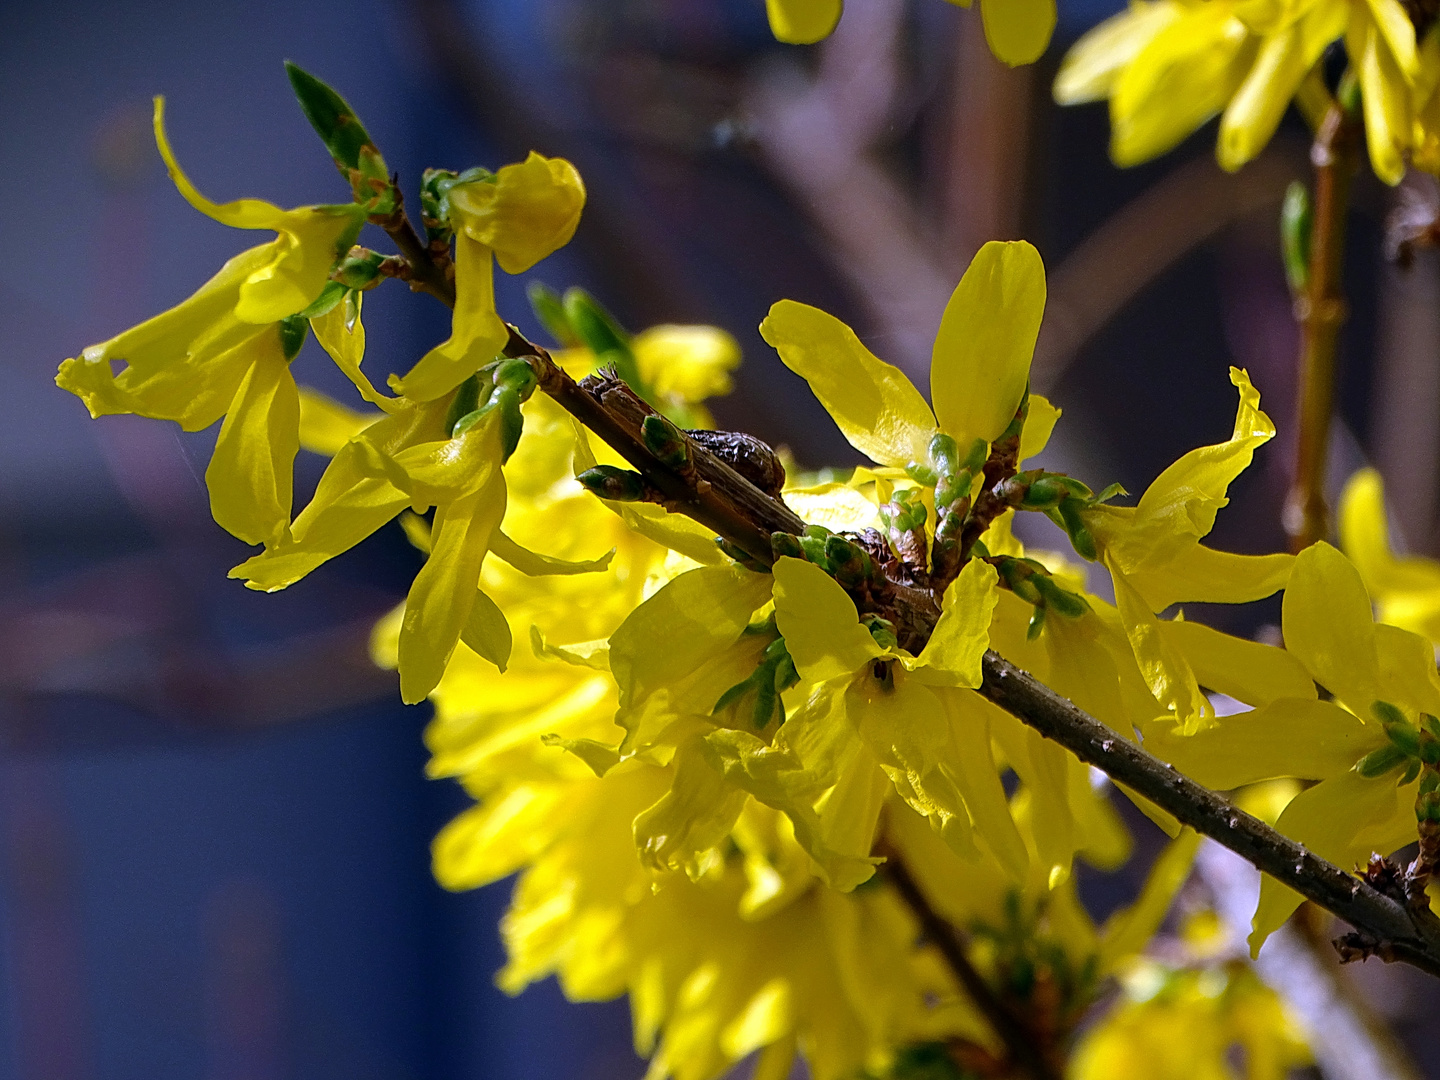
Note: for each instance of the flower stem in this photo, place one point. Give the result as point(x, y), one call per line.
point(1320, 309)
point(1023, 1048)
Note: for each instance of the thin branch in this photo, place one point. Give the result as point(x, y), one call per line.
point(1321, 311)
point(1023, 1047)
point(426, 272)
point(1398, 934)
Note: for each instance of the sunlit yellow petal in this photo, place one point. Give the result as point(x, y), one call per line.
point(962, 635)
point(251, 475)
point(1246, 670)
point(1327, 625)
point(875, 406)
point(346, 346)
point(819, 621)
point(1018, 30)
point(485, 631)
point(802, 22)
point(1090, 68)
point(476, 333)
point(522, 213)
point(326, 425)
point(980, 365)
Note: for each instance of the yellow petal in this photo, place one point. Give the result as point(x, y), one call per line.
point(1166, 672)
point(697, 813)
point(443, 593)
point(251, 472)
point(1248, 671)
point(493, 840)
point(1090, 68)
point(874, 405)
point(1018, 30)
point(1130, 929)
point(1197, 573)
point(692, 618)
point(819, 622)
point(476, 333)
point(1326, 819)
point(980, 365)
point(486, 632)
point(802, 22)
point(1328, 626)
point(1309, 740)
point(963, 633)
point(311, 239)
point(524, 212)
point(537, 565)
point(349, 502)
point(1039, 424)
point(1405, 588)
point(972, 764)
point(326, 425)
point(1183, 76)
point(184, 364)
point(687, 363)
point(346, 346)
point(1283, 62)
point(1384, 85)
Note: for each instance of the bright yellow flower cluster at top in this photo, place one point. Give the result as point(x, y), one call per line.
point(1017, 30)
point(1168, 66)
point(697, 766)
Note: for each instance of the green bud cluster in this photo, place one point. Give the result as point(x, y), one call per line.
point(613, 483)
point(502, 385)
point(1416, 748)
point(905, 512)
point(847, 562)
point(435, 185)
point(773, 675)
point(1030, 581)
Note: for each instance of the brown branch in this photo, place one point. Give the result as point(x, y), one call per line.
point(1412, 937)
point(1321, 311)
point(1023, 1046)
point(427, 273)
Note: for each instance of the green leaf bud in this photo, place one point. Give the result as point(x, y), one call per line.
point(952, 488)
point(1110, 491)
point(329, 296)
point(1431, 724)
point(740, 555)
point(1387, 713)
point(549, 308)
point(1036, 624)
point(359, 269)
point(882, 630)
point(976, 456)
point(293, 331)
point(1063, 601)
point(922, 474)
point(1405, 737)
point(517, 375)
point(766, 703)
point(1080, 536)
point(786, 544)
point(333, 120)
point(1412, 770)
point(664, 440)
point(944, 454)
point(814, 549)
point(467, 399)
point(1044, 493)
point(615, 484)
point(1379, 762)
point(1429, 748)
point(599, 331)
point(1296, 218)
point(1427, 806)
point(819, 532)
point(1430, 781)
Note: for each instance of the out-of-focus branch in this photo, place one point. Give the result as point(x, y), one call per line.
point(1348, 1040)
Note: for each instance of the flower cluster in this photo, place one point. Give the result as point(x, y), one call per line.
point(742, 789)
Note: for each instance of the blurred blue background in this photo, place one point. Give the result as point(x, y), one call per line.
point(214, 824)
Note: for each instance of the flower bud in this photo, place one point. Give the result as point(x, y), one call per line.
point(333, 120)
point(1386, 713)
point(944, 454)
point(786, 544)
point(663, 439)
point(615, 484)
point(923, 475)
point(1379, 762)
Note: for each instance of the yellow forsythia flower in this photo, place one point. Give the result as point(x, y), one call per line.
point(1350, 812)
point(226, 351)
point(1167, 66)
point(1185, 1025)
point(1405, 588)
point(1016, 30)
point(517, 216)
